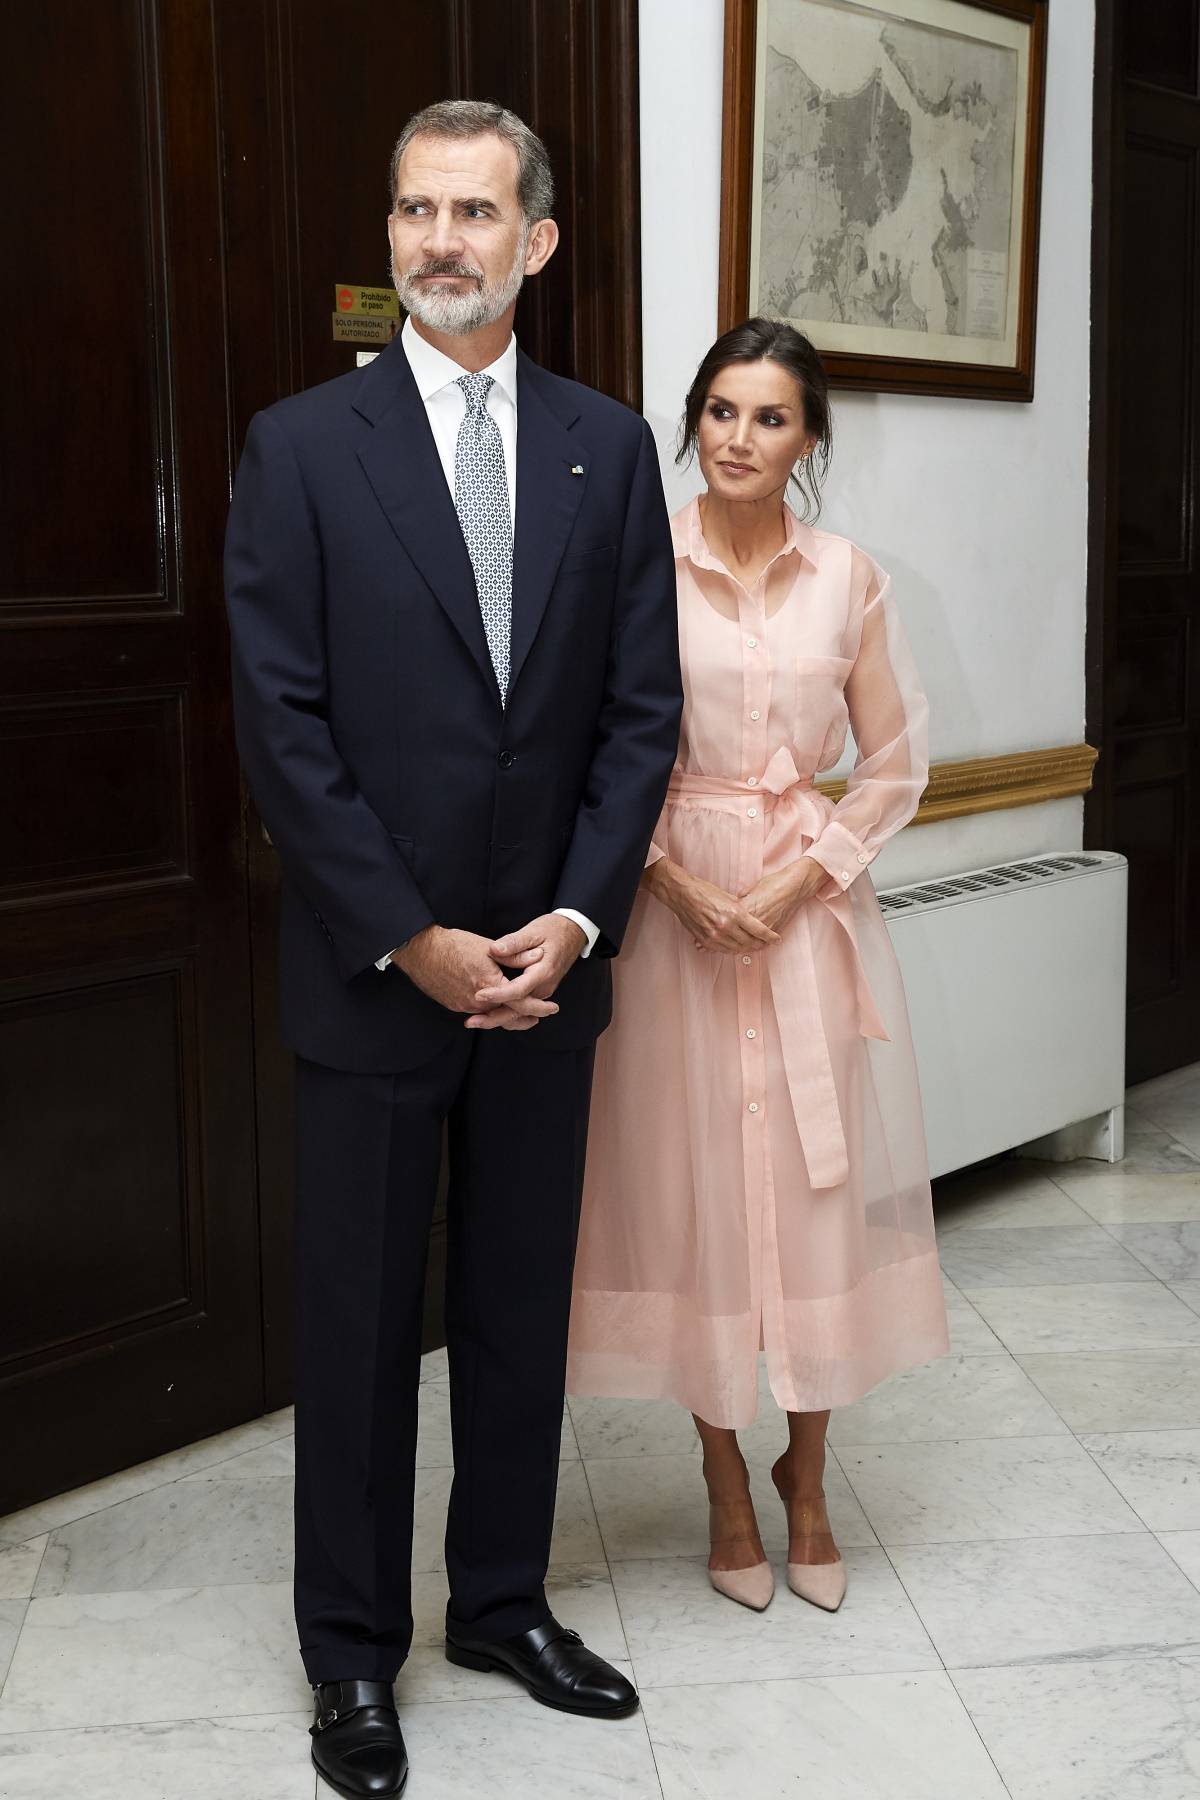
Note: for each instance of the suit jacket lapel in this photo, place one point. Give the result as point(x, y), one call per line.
point(402, 465)
point(548, 498)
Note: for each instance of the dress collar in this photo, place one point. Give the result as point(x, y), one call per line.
point(433, 370)
point(688, 534)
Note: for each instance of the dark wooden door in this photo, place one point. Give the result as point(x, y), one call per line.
point(1144, 620)
point(129, 1269)
point(214, 167)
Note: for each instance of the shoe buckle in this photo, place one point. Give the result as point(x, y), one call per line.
point(328, 1719)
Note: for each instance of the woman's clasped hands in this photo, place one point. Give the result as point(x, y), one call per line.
point(722, 922)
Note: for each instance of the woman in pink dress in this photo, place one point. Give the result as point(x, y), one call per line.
point(756, 1176)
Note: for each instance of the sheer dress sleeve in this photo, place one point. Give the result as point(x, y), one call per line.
point(658, 843)
point(889, 717)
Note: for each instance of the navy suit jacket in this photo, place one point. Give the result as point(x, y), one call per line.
point(397, 790)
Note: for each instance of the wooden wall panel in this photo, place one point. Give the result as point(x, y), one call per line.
point(1149, 818)
point(1154, 512)
point(1150, 692)
point(92, 1122)
point(91, 794)
point(82, 405)
point(1162, 44)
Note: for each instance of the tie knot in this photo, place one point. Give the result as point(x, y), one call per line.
point(476, 388)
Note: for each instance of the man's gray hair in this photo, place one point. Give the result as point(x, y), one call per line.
point(476, 118)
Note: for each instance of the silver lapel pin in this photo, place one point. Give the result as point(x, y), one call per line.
point(577, 468)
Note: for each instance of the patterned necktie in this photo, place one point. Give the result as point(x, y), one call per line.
point(481, 499)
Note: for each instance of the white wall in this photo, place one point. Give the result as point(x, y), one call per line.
point(977, 508)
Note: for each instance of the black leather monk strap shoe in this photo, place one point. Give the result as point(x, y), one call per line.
point(358, 1747)
point(553, 1663)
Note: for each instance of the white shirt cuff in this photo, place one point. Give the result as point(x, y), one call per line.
point(590, 931)
point(383, 962)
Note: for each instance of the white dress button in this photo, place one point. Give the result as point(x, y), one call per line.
point(753, 1106)
point(752, 1033)
point(752, 643)
point(747, 961)
point(756, 714)
point(845, 874)
point(862, 856)
point(752, 781)
point(752, 812)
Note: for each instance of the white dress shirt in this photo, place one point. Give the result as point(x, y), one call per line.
point(437, 377)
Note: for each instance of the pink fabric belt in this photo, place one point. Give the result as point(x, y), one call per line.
point(791, 813)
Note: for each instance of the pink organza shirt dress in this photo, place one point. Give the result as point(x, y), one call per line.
point(756, 1174)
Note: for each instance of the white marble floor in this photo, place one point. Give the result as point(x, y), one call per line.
point(1021, 1523)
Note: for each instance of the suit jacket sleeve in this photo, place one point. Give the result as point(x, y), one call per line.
point(638, 733)
point(333, 847)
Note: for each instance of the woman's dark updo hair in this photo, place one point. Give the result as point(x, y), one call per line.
point(769, 340)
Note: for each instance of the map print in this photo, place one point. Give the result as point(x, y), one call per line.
point(888, 203)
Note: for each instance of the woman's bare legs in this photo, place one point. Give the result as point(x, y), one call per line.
point(799, 1476)
point(733, 1526)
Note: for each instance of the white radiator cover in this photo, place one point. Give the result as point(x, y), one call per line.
point(1015, 977)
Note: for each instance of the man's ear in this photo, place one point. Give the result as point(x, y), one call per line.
point(543, 242)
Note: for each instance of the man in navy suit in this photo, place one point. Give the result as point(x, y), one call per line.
point(456, 680)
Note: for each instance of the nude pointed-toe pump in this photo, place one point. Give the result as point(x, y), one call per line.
point(752, 1587)
point(821, 1584)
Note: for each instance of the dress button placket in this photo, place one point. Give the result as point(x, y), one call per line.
point(748, 971)
point(751, 972)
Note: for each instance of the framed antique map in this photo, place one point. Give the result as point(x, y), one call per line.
point(880, 185)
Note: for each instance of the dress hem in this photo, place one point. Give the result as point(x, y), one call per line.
point(605, 1370)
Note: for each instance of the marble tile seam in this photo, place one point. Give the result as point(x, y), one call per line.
point(904, 1589)
point(6, 1668)
point(1120, 1431)
point(1114, 1227)
point(645, 1725)
point(757, 1681)
point(972, 1437)
point(135, 1493)
point(1192, 1575)
point(975, 1727)
point(1138, 1530)
point(892, 1667)
point(608, 1568)
point(37, 1567)
point(1184, 1653)
point(1097, 1456)
point(136, 1725)
point(1189, 1300)
point(516, 1698)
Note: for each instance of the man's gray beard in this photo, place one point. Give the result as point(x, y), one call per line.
point(458, 314)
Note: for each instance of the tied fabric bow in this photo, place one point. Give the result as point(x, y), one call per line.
point(783, 832)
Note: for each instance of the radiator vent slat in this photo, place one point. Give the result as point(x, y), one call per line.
point(1002, 875)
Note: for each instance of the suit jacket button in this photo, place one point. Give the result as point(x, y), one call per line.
point(506, 759)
